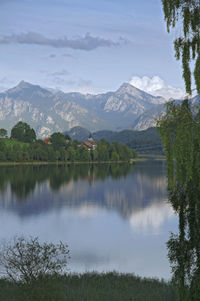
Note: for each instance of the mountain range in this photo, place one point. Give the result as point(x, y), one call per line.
point(49, 111)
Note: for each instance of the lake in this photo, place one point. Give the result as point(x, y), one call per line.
point(113, 217)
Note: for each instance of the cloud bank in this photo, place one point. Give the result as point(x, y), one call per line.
point(86, 42)
point(157, 87)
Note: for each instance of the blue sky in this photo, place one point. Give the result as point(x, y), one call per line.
point(87, 45)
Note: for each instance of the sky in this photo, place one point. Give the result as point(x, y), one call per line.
point(89, 46)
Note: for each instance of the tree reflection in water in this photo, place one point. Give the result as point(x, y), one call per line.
point(23, 179)
point(124, 188)
point(114, 217)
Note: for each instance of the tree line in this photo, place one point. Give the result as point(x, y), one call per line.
point(22, 146)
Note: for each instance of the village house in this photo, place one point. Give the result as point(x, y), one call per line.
point(47, 140)
point(90, 144)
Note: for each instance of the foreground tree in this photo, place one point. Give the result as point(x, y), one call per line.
point(179, 130)
point(187, 45)
point(23, 132)
point(27, 260)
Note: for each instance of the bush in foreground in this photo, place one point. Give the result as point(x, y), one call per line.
point(34, 272)
point(88, 287)
point(27, 260)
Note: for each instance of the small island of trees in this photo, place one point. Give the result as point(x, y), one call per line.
point(23, 146)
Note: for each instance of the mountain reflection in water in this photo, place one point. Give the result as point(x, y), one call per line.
point(93, 208)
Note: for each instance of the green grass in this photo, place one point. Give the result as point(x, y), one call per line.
point(89, 287)
point(10, 143)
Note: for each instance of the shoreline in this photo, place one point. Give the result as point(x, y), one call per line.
point(135, 160)
point(63, 163)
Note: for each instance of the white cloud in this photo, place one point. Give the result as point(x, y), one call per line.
point(157, 87)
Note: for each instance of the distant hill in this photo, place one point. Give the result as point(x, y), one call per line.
point(103, 135)
point(147, 141)
point(78, 133)
point(82, 134)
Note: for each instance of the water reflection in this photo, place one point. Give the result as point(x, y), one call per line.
point(28, 190)
point(151, 217)
point(114, 217)
point(23, 179)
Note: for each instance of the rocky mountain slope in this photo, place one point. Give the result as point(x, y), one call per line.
point(47, 111)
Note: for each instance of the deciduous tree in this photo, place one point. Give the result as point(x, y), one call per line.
point(58, 140)
point(23, 132)
point(186, 13)
point(28, 259)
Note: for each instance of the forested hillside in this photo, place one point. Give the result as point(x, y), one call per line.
point(147, 141)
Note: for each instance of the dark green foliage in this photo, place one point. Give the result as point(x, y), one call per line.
point(22, 132)
point(67, 137)
point(106, 134)
point(84, 155)
point(89, 287)
point(58, 140)
point(180, 130)
point(187, 46)
point(112, 152)
point(63, 150)
point(3, 132)
point(147, 141)
point(23, 147)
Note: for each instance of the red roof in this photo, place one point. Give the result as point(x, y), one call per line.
point(47, 140)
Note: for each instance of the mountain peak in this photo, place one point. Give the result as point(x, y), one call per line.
point(125, 86)
point(130, 89)
point(20, 87)
point(23, 85)
point(52, 112)
point(136, 92)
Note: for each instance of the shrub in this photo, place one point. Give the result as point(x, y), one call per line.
point(27, 260)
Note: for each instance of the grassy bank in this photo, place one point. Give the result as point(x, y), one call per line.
point(89, 287)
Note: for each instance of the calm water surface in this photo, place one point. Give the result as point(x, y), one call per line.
point(113, 217)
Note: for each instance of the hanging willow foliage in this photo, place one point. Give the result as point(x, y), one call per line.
point(188, 13)
point(179, 130)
